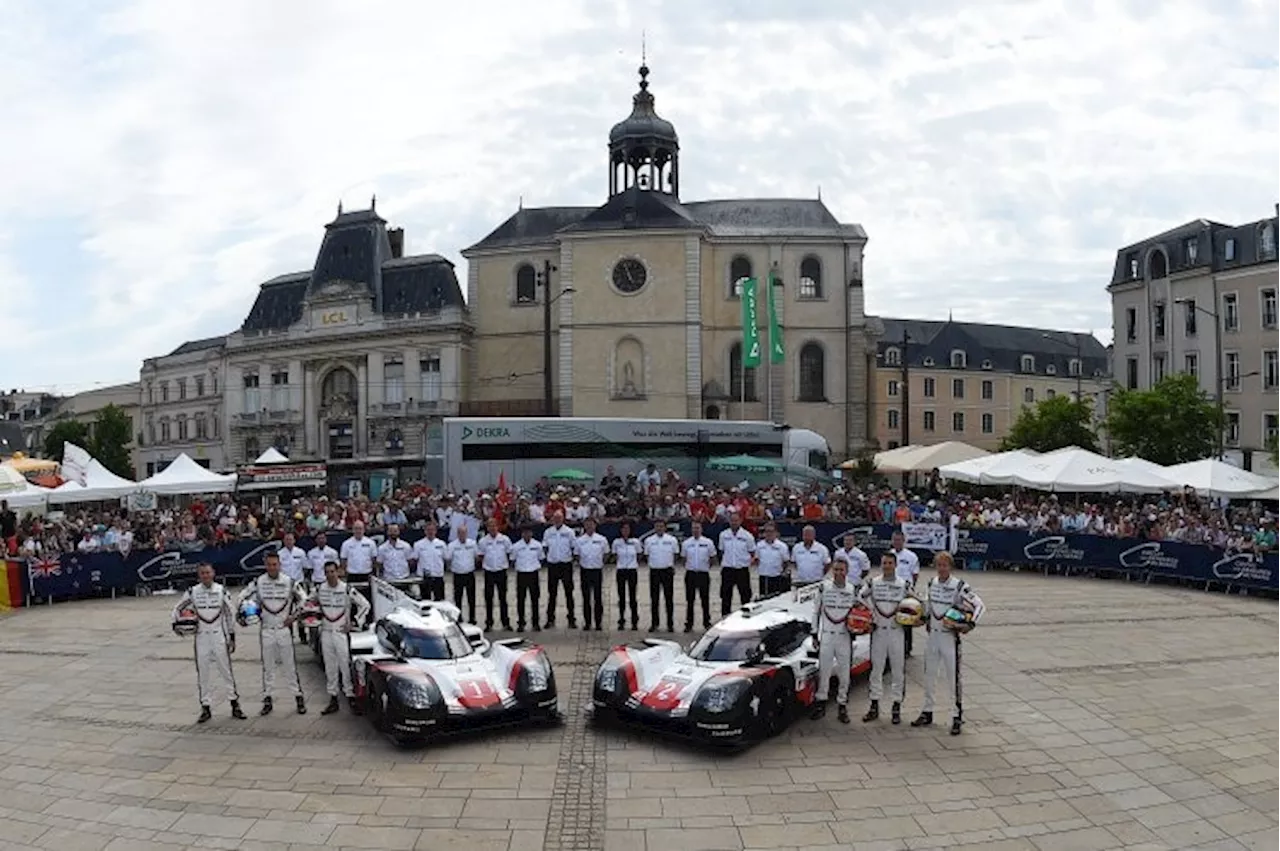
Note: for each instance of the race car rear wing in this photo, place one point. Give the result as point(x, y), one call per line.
point(799, 600)
point(387, 598)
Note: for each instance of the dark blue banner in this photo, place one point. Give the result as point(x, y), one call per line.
point(84, 574)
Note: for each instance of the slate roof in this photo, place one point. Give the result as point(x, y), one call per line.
point(1001, 345)
point(11, 439)
point(1210, 240)
point(652, 209)
point(198, 346)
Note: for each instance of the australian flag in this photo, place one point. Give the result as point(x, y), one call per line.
point(44, 567)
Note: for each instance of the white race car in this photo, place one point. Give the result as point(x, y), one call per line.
point(421, 674)
point(743, 681)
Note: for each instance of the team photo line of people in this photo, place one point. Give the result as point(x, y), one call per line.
point(323, 596)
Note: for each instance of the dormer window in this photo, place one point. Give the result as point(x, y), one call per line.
point(1028, 363)
point(928, 361)
point(1190, 248)
point(892, 357)
point(1267, 242)
point(958, 359)
point(1073, 367)
point(1050, 370)
point(986, 364)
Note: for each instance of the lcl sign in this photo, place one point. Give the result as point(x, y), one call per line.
point(334, 317)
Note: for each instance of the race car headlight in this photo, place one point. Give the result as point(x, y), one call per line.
point(607, 679)
point(537, 674)
point(415, 693)
point(722, 695)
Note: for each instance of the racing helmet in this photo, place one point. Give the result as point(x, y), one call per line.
point(859, 620)
point(957, 619)
point(249, 613)
point(187, 620)
point(910, 612)
point(310, 616)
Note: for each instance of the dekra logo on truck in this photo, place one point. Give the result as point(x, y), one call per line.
point(491, 431)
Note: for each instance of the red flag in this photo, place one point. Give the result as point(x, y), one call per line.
point(502, 485)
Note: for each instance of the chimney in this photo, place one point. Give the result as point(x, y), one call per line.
point(396, 235)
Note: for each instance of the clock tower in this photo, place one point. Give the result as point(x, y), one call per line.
point(644, 151)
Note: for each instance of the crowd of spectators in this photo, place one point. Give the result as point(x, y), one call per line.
point(650, 495)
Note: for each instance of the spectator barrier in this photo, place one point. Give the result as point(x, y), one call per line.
point(13, 583)
point(88, 574)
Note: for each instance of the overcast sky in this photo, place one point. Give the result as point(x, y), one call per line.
point(162, 158)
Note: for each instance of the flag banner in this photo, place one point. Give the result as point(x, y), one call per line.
point(777, 353)
point(750, 325)
point(75, 464)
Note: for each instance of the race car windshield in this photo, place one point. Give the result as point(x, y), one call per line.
point(718, 646)
point(448, 643)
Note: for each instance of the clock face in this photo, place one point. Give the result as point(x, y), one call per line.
point(629, 275)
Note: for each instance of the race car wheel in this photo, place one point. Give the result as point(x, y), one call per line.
point(373, 707)
point(775, 711)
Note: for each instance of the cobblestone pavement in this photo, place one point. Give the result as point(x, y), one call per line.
point(1100, 715)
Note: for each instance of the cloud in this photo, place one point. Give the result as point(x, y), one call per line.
point(998, 153)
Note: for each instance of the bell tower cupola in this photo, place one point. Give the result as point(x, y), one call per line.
point(644, 151)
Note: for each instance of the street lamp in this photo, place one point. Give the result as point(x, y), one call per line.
point(544, 281)
point(1217, 354)
point(1075, 341)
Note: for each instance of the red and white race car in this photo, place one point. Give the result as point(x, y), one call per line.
point(743, 681)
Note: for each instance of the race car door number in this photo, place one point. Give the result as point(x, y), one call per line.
point(476, 694)
point(666, 694)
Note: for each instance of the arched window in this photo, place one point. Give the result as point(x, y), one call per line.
point(892, 357)
point(813, 373)
point(251, 450)
point(737, 379)
point(526, 285)
point(281, 443)
point(713, 412)
point(395, 440)
point(1157, 266)
point(1267, 241)
point(811, 277)
point(738, 269)
point(339, 391)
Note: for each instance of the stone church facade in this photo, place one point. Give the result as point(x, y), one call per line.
point(646, 314)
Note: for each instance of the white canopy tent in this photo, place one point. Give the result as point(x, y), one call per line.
point(272, 456)
point(1075, 470)
point(888, 457)
point(1212, 477)
point(11, 480)
point(923, 459)
point(184, 476)
point(971, 470)
point(100, 483)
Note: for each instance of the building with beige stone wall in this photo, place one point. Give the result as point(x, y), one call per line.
point(646, 317)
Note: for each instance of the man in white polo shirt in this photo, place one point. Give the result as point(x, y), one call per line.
point(772, 556)
point(591, 547)
point(908, 570)
point(737, 548)
point(495, 558)
point(858, 561)
point(428, 556)
point(393, 556)
point(660, 551)
point(317, 557)
point(557, 541)
point(810, 557)
point(698, 551)
point(461, 556)
point(527, 554)
point(626, 550)
point(293, 559)
point(357, 556)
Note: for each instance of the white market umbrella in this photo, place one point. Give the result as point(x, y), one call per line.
point(1076, 470)
point(971, 470)
point(1212, 477)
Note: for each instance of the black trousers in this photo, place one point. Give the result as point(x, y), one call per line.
point(560, 573)
point(433, 588)
point(495, 583)
point(592, 595)
point(770, 585)
point(906, 642)
point(697, 584)
point(734, 579)
point(528, 587)
point(465, 583)
point(627, 581)
point(662, 579)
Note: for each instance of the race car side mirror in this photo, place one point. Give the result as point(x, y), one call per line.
point(755, 657)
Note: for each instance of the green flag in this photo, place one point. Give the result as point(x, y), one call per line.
point(776, 351)
point(750, 325)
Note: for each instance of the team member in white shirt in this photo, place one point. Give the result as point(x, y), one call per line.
point(660, 551)
point(698, 552)
point(293, 558)
point(857, 560)
point(772, 556)
point(461, 555)
point(737, 549)
point(626, 552)
point(428, 556)
point(885, 594)
point(908, 570)
point(495, 558)
point(810, 557)
point(942, 650)
point(557, 541)
point(836, 599)
point(393, 556)
point(591, 548)
point(317, 557)
point(357, 556)
point(527, 554)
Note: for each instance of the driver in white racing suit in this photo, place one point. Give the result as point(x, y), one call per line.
point(215, 639)
point(884, 594)
point(279, 596)
point(942, 653)
point(835, 601)
point(336, 599)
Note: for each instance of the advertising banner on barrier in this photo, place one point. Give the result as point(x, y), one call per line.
point(77, 574)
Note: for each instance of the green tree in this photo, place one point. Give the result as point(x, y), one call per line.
point(1172, 423)
point(112, 433)
point(1053, 424)
point(65, 431)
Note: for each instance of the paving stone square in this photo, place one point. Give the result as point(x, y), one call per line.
point(1094, 721)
